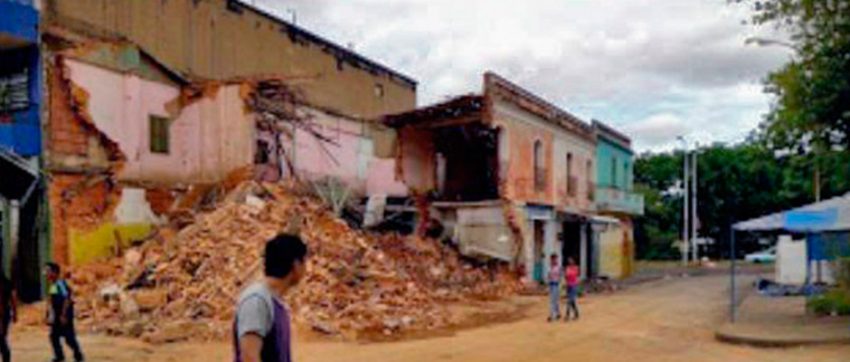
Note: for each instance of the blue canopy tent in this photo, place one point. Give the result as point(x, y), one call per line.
point(826, 225)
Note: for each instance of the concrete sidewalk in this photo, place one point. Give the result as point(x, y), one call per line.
point(782, 322)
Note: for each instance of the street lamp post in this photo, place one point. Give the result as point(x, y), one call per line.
point(763, 42)
point(694, 216)
point(685, 224)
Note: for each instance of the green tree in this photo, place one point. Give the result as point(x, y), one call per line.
point(812, 108)
point(735, 183)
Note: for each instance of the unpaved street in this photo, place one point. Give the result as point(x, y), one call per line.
point(663, 321)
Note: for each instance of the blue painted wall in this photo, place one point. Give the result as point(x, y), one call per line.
point(20, 130)
point(608, 152)
point(19, 19)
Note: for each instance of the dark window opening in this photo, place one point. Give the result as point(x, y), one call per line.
point(234, 6)
point(590, 187)
point(160, 134)
point(539, 168)
point(14, 92)
point(467, 168)
point(571, 182)
point(614, 172)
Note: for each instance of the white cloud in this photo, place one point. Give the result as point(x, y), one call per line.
point(627, 62)
point(657, 129)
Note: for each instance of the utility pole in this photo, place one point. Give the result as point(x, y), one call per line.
point(694, 216)
point(685, 187)
point(817, 180)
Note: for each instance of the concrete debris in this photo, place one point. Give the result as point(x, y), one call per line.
point(110, 291)
point(359, 286)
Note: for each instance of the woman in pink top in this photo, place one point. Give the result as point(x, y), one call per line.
point(571, 275)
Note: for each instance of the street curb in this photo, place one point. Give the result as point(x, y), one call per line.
point(777, 342)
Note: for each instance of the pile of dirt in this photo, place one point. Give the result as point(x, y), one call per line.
point(183, 285)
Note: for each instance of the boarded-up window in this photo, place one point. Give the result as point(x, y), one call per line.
point(160, 134)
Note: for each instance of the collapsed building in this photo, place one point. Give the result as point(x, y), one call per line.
point(144, 115)
point(509, 175)
point(157, 136)
point(149, 106)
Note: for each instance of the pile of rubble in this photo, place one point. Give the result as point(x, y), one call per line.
point(183, 284)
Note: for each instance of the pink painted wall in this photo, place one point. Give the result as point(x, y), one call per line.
point(209, 138)
point(382, 179)
point(351, 157)
point(214, 135)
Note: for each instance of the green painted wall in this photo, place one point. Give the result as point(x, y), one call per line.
point(614, 165)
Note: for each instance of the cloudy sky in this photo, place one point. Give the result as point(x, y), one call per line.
point(653, 68)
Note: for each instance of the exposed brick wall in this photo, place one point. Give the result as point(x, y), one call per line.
point(82, 163)
point(79, 202)
point(161, 199)
point(65, 135)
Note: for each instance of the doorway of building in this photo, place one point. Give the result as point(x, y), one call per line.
point(539, 254)
point(571, 243)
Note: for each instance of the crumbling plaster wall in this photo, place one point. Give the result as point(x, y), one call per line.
point(208, 138)
point(616, 252)
point(350, 158)
point(81, 162)
point(416, 161)
point(520, 130)
point(208, 40)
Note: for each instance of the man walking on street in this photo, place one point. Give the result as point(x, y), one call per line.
point(8, 315)
point(60, 314)
point(262, 327)
point(554, 288)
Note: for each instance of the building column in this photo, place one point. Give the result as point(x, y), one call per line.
point(14, 236)
point(584, 252)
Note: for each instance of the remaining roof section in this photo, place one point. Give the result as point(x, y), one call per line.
point(497, 86)
point(458, 108)
point(610, 134)
point(828, 215)
point(469, 108)
point(344, 54)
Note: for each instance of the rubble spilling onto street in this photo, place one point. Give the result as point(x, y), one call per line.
point(182, 284)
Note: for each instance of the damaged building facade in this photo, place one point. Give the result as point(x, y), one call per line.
point(118, 116)
point(509, 175)
point(151, 105)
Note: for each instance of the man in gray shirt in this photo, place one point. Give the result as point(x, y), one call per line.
point(262, 331)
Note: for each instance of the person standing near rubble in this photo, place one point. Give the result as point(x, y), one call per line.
point(572, 277)
point(8, 310)
point(262, 331)
point(60, 314)
point(554, 288)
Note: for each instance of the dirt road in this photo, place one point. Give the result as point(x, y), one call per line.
point(663, 321)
